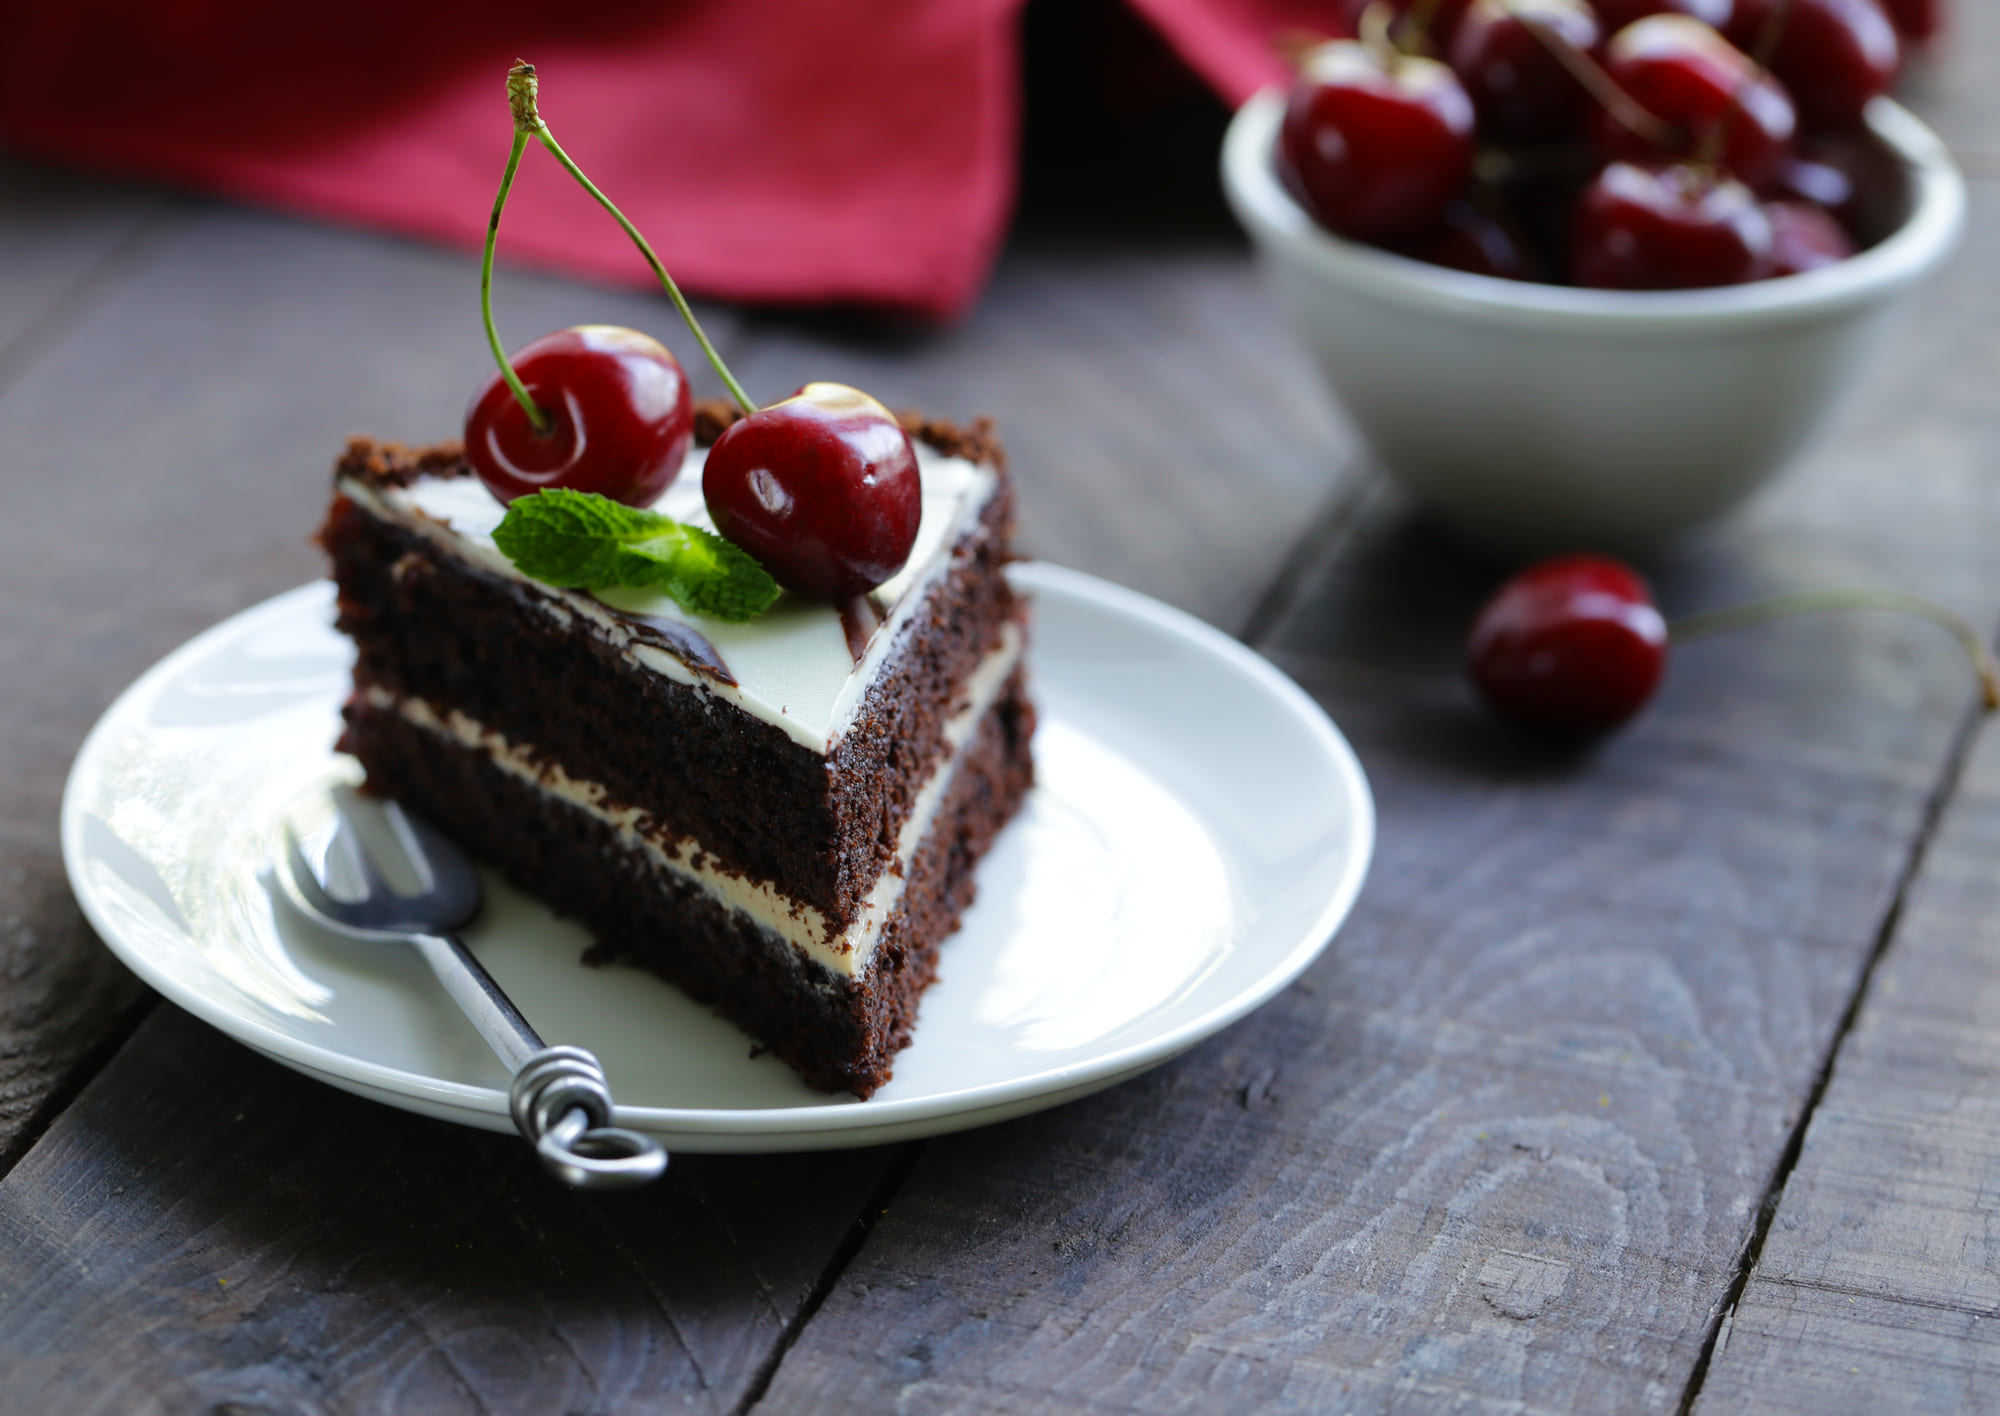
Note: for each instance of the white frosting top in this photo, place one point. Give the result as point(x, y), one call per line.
point(792, 665)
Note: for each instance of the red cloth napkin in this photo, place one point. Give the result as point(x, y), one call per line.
point(798, 151)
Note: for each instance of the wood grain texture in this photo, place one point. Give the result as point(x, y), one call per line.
point(1879, 1286)
point(1499, 1151)
point(207, 1231)
point(63, 241)
point(1503, 1147)
point(57, 230)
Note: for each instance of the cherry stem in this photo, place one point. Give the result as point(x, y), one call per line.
point(537, 419)
point(1624, 109)
point(521, 92)
point(1769, 33)
point(1494, 166)
point(1814, 601)
point(1416, 26)
point(1713, 141)
point(1295, 42)
point(1374, 35)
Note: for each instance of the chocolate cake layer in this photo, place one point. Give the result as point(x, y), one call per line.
point(821, 829)
point(839, 1033)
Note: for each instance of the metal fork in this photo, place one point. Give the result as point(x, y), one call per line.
point(560, 1099)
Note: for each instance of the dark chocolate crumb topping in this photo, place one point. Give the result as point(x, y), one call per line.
point(391, 464)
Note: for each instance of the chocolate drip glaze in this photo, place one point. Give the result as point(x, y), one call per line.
point(684, 642)
point(860, 617)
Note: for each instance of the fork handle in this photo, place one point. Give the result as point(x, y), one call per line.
point(512, 1038)
point(560, 1099)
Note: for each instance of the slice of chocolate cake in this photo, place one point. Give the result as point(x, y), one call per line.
point(781, 816)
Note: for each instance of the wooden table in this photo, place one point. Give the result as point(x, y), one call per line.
point(1658, 1078)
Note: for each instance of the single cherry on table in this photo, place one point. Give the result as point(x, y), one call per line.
point(822, 488)
point(618, 411)
point(1573, 644)
point(1375, 145)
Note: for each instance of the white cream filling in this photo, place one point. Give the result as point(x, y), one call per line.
point(848, 952)
point(792, 665)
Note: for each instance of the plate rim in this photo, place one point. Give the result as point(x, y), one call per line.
point(810, 1126)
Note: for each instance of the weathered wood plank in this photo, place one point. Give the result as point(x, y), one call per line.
point(206, 1231)
point(56, 230)
point(63, 240)
point(167, 448)
point(1834, 1351)
point(1503, 1147)
point(1878, 1287)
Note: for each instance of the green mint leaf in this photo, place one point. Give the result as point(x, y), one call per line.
point(583, 541)
point(716, 577)
point(574, 539)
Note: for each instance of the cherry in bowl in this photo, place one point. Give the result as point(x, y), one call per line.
point(1804, 237)
point(1677, 227)
point(618, 412)
point(1702, 88)
point(1832, 56)
point(1471, 239)
point(1650, 415)
point(1521, 90)
point(822, 488)
point(1375, 147)
point(1614, 15)
point(1918, 21)
point(1669, 229)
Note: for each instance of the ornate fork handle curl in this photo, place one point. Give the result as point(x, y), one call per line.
point(561, 1101)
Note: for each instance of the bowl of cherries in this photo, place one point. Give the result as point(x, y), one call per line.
point(1590, 271)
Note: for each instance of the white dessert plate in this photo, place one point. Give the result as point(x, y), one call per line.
point(1197, 833)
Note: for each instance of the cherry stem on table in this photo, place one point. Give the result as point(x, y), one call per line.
point(1815, 601)
point(521, 92)
point(536, 417)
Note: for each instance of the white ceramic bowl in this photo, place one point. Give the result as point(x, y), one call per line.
point(1542, 417)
